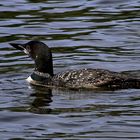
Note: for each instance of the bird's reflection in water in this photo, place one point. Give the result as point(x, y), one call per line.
point(43, 98)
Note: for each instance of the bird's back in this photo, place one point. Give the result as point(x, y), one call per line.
point(94, 78)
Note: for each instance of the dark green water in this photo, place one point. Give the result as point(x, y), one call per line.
point(85, 33)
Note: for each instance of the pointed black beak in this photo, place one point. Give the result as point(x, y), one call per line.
point(18, 46)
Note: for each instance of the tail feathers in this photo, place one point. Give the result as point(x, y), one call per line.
point(122, 84)
point(133, 83)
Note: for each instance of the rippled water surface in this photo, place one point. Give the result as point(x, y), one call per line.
point(83, 33)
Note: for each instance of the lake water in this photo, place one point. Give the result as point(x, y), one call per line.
point(85, 33)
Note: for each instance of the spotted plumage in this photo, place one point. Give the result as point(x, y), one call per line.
point(43, 74)
point(93, 78)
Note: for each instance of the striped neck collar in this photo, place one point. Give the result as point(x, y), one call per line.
point(41, 77)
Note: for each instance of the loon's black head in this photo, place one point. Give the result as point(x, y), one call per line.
point(40, 53)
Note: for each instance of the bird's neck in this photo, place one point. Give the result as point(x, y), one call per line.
point(44, 64)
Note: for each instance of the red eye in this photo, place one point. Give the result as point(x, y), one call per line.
point(28, 48)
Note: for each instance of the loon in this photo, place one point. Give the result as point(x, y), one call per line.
point(43, 74)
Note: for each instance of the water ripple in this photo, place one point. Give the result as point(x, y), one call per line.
point(85, 33)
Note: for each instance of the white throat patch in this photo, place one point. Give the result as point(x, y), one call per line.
point(29, 79)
